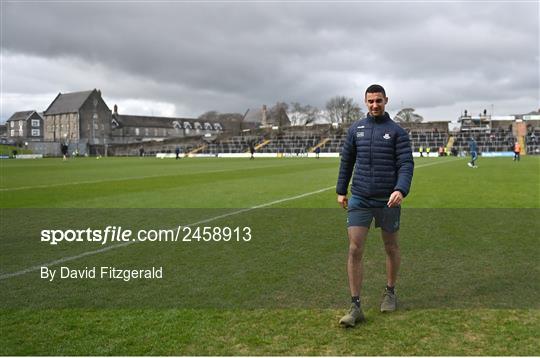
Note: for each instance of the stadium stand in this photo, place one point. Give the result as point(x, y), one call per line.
point(300, 140)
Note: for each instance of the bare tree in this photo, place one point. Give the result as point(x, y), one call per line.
point(230, 117)
point(281, 105)
point(215, 116)
point(306, 113)
point(341, 109)
point(279, 112)
point(407, 115)
point(209, 116)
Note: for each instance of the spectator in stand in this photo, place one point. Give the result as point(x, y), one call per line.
point(441, 151)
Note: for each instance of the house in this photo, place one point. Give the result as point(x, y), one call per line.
point(3, 132)
point(80, 118)
point(25, 126)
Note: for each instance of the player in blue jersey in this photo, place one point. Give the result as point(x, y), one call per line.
point(473, 149)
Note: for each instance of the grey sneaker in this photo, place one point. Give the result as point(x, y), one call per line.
point(354, 316)
point(389, 301)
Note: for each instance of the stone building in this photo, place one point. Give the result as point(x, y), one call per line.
point(79, 119)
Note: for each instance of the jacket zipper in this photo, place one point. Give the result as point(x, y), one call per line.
point(371, 157)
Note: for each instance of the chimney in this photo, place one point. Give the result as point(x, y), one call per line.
point(115, 109)
point(264, 115)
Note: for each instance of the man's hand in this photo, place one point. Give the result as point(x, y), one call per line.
point(343, 201)
point(395, 199)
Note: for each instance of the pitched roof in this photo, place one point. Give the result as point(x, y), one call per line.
point(127, 120)
point(22, 115)
point(68, 102)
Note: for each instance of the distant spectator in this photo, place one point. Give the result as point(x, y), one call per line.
point(141, 151)
point(177, 152)
point(517, 152)
point(317, 152)
point(251, 150)
point(64, 149)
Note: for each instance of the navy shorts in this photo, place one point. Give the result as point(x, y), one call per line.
point(361, 212)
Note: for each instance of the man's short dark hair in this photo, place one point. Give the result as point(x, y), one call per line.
point(375, 89)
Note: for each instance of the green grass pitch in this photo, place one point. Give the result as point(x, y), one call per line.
point(468, 283)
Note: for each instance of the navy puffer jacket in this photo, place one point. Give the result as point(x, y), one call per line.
point(379, 151)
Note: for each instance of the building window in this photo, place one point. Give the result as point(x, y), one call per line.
point(35, 133)
point(13, 132)
point(136, 131)
point(146, 131)
point(155, 132)
point(35, 122)
point(12, 124)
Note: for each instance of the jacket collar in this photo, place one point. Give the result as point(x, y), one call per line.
point(379, 119)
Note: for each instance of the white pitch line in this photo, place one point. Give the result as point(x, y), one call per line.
point(104, 249)
point(118, 179)
point(236, 212)
point(133, 178)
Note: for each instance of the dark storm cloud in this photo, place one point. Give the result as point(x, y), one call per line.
point(230, 56)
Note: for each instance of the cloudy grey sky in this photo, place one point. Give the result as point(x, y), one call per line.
point(182, 58)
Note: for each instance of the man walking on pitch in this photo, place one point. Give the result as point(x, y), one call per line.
point(379, 152)
point(473, 149)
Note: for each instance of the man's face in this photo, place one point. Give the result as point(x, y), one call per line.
point(375, 103)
